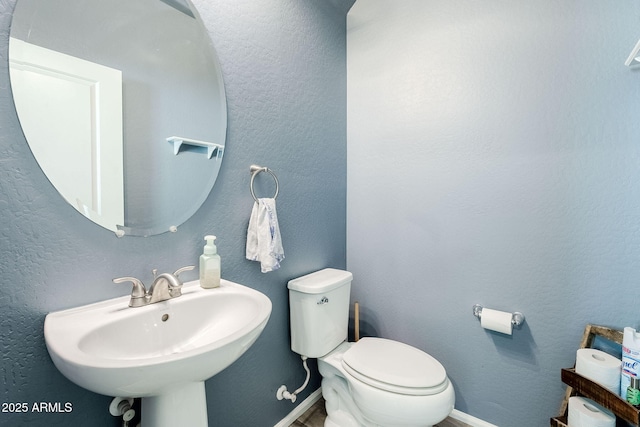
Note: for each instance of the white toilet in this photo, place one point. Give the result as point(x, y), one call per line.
point(373, 382)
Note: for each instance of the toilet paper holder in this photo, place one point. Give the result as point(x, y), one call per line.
point(517, 318)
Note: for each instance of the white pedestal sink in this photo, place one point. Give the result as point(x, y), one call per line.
point(161, 352)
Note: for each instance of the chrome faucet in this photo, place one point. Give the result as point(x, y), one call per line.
point(165, 286)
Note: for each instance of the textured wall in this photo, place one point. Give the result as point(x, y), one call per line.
point(284, 67)
point(493, 158)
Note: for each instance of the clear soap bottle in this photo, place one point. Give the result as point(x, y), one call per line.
point(210, 265)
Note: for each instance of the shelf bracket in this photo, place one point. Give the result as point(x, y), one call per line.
point(211, 147)
point(634, 56)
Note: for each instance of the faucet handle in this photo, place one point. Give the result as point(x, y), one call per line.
point(183, 269)
point(176, 291)
point(138, 292)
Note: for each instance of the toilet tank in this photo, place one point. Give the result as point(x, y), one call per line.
point(319, 311)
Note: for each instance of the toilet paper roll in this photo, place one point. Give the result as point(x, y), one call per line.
point(600, 367)
point(585, 412)
point(494, 320)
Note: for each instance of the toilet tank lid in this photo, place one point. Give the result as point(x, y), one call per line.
point(321, 281)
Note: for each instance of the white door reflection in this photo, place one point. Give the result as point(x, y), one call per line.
point(64, 98)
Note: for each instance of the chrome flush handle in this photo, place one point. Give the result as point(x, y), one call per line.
point(323, 301)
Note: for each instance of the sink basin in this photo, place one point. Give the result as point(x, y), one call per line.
point(162, 351)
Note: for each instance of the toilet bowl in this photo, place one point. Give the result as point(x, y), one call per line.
point(369, 383)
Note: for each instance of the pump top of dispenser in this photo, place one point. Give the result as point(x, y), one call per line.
point(210, 247)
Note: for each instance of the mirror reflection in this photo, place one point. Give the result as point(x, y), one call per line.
point(123, 106)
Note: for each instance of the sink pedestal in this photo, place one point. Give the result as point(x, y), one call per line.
point(183, 406)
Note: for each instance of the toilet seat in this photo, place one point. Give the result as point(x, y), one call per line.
point(395, 367)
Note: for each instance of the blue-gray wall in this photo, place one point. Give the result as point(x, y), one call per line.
point(494, 158)
point(284, 68)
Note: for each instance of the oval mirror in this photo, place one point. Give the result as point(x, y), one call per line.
point(123, 106)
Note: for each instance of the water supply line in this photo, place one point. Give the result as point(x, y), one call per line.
point(122, 407)
point(282, 392)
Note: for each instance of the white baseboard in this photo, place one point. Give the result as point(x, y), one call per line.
point(468, 419)
point(316, 395)
point(300, 409)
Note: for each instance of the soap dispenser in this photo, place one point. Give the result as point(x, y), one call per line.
point(210, 265)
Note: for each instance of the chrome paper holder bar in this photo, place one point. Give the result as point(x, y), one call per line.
point(517, 318)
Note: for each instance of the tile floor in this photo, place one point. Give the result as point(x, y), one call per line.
point(315, 416)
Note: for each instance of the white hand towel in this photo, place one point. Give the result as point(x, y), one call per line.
point(264, 243)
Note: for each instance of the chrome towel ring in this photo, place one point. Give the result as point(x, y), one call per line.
point(255, 170)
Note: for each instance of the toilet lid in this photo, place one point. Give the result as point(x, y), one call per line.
point(394, 366)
